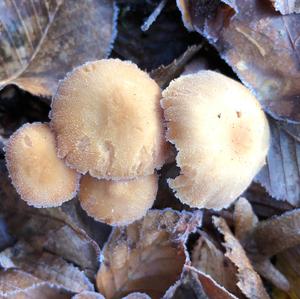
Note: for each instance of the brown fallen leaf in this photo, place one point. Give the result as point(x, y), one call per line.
point(245, 222)
point(249, 281)
point(41, 41)
point(260, 45)
point(276, 234)
point(16, 284)
point(281, 174)
point(88, 295)
point(211, 288)
point(263, 204)
point(208, 259)
point(286, 6)
point(147, 256)
point(45, 266)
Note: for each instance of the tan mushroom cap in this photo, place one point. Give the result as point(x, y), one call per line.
point(117, 202)
point(221, 134)
point(41, 179)
point(108, 120)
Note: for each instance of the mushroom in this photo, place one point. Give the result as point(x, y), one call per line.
point(41, 179)
point(221, 134)
point(108, 120)
point(117, 202)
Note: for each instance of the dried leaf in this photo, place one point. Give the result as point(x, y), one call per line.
point(263, 204)
point(281, 174)
point(149, 250)
point(42, 40)
point(286, 6)
point(211, 288)
point(207, 258)
point(88, 295)
point(164, 74)
point(245, 223)
point(45, 266)
point(254, 41)
point(249, 281)
point(16, 284)
point(277, 234)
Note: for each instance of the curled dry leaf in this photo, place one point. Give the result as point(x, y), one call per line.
point(208, 259)
point(210, 287)
point(286, 6)
point(277, 234)
point(249, 281)
point(245, 222)
point(261, 46)
point(16, 284)
point(45, 266)
point(43, 40)
point(281, 174)
point(149, 250)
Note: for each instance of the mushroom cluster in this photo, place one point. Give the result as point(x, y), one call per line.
point(106, 125)
point(107, 130)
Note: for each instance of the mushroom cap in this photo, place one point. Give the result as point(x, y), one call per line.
point(39, 176)
point(221, 134)
point(108, 120)
point(117, 202)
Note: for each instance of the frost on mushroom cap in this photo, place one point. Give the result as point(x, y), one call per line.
point(221, 134)
point(108, 120)
point(41, 179)
point(117, 202)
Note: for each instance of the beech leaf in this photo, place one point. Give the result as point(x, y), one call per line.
point(43, 40)
point(211, 288)
point(210, 260)
point(281, 174)
point(147, 256)
point(249, 281)
point(45, 266)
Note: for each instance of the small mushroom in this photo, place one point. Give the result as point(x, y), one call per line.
point(108, 120)
point(41, 179)
point(221, 134)
point(117, 202)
